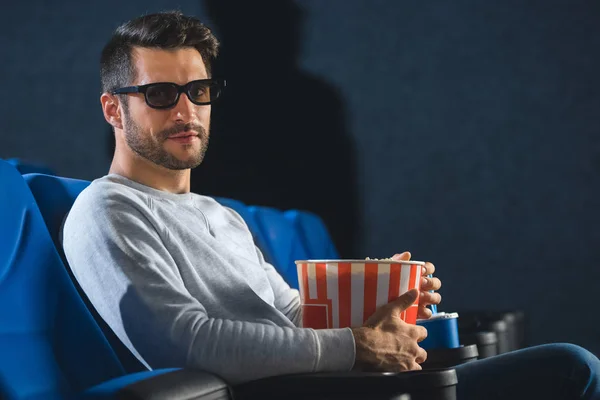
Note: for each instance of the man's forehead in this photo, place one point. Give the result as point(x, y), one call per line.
point(158, 65)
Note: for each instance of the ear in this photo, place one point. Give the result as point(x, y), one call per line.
point(111, 107)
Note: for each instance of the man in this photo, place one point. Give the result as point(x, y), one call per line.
point(177, 276)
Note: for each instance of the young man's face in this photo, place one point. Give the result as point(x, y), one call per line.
point(150, 132)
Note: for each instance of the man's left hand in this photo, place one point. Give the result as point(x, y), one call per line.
point(427, 284)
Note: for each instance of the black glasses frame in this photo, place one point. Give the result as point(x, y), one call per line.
point(220, 84)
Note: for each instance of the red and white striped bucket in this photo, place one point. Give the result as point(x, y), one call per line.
point(345, 293)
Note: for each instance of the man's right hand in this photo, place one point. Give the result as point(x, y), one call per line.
point(386, 343)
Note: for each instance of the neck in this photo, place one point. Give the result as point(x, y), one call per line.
point(140, 170)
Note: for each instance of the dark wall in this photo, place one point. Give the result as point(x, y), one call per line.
point(477, 127)
point(466, 132)
point(280, 135)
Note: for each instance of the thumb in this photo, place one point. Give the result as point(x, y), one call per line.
point(405, 301)
point(402, 256)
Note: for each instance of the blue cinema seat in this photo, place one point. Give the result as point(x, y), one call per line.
point(54, 196)
point(50, 346)
point(27, 167)
point(313, 234)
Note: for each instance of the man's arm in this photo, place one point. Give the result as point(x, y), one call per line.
point(287, 300)
point(119, 259)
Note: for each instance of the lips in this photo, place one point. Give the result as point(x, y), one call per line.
point(183, 134)
point(184, 138)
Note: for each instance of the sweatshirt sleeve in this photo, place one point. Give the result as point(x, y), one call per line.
point(287, 300)
point(118, 257)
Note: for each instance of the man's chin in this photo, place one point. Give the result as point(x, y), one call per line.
point(178, 164)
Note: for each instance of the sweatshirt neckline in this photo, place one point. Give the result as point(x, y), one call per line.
point(155, 193)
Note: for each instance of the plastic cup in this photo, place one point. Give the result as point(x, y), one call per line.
point(345, 293)
point(442, 331)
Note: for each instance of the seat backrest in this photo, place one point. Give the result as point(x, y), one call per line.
point(314, 235)
point(55, 196)
point(50, 346)
point(25, 167)
point(282, 241)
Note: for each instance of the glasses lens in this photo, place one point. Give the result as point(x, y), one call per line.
point(161, 95)
point(203, 92)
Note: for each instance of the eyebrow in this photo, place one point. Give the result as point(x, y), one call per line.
point(147, 82)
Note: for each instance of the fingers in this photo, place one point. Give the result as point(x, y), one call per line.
point(418, 356)
point(404, 301)
point(402, 256)
point(426, 299)
point(421, 356)
point(430, 283)
point(403, 367)
point(391, 311)
point(390, 350)
point(429, 298)
point(424, 313)
point(429, 269)
point(419, 333)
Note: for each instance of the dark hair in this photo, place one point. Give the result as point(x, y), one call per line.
point(167, 30)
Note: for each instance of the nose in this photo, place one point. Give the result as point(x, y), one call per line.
point(184, 110)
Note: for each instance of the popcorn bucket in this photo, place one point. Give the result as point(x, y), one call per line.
point(345, 293)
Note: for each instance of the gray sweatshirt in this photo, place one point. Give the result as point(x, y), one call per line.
point(179, 280)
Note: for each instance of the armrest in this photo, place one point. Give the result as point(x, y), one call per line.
point(447, 358)
point(175, 384)
point(183, 384)
point(421, 385)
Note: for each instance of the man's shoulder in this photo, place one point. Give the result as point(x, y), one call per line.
point(106, 196)
point(108, 190)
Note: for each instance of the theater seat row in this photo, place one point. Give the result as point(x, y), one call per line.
point(53, 348)
point(284, 237)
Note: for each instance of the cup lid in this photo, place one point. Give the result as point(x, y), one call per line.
point(440, 315)
point(360, 261)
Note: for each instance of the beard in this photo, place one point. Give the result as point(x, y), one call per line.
point(151, 147)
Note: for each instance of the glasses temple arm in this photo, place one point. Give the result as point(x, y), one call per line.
point(129, 89)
